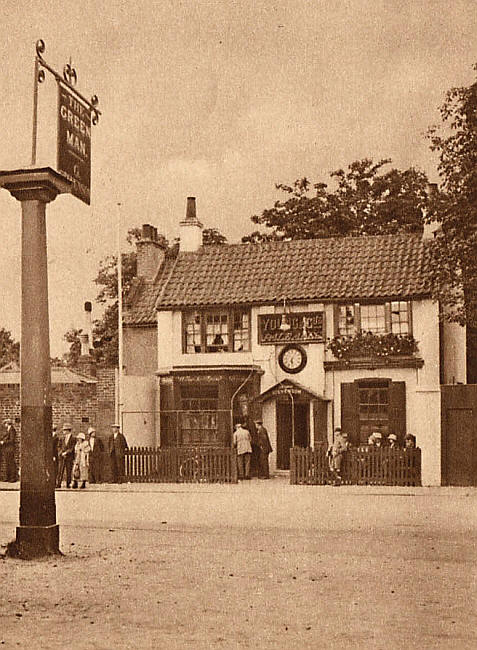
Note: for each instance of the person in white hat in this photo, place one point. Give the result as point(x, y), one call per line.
point(81, 462)
point(378, 438)
point(393, 441)
point(8, 438)
point(95, 456)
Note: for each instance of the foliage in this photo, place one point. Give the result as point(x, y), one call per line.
point(105, 329)
point(72, 337)
point(212, 236)
point(367, 201)
point(9, 348)
point(455, 245)
point(372, 345)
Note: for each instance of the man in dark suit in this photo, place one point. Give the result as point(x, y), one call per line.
point(8, 439)
point(117, 446)
point(95, 456)
point(55, 443)
point(265, 448)
point(66, 456)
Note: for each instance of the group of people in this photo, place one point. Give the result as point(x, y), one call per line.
point(242, 442)
point(376, 440)
point(341, 444)
point(8, 436)
point(80, 456)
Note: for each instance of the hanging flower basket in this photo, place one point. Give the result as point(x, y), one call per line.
point(372, 345)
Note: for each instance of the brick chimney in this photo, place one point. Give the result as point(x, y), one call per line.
point(150, 252)
point(190, 229)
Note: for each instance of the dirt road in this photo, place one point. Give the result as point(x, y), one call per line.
point(257, 565)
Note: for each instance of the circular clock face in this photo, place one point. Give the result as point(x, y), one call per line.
point(292, 358)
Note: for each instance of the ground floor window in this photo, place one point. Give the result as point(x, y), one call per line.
point(369, 405)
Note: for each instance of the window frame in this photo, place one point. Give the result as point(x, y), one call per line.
point(388, 317)
point(231, 313)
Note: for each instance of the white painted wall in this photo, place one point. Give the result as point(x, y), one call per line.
point(454, 344)
point(422, 385)
point(139, 394)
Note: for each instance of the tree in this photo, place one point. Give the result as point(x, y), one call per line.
point(366, 201)
point(455, 245)
point(9, 348)
point(212, 236)
point(105, 329)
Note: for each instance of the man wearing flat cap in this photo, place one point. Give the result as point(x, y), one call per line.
point(7, 449)
point(117, 446)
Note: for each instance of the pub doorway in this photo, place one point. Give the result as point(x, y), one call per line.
point(293, 429)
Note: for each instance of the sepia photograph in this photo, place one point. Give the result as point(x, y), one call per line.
point(238, 335)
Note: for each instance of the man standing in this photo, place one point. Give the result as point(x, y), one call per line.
point(337, 450)
point(66, 456)
point(55, 442)
point(265, 448)
point(243, 443)
point(117, 446)
point(95, 456)
point(7, 449)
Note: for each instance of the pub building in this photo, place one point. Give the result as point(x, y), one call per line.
point(308, 335)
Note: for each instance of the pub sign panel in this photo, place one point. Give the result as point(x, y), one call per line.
point(74, 143)
point(305, 327)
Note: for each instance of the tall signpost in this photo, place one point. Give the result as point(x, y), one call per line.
point(34, 187)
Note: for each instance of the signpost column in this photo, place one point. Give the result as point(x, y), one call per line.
point(38, 533)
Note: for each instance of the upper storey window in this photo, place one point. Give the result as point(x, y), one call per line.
point(223, 330)
point(378, 318)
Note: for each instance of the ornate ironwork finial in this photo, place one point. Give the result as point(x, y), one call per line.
point(40, 47)
point(69, 74)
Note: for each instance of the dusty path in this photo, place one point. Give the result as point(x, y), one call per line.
point(259, 565)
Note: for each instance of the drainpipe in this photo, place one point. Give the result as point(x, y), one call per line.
point(234, 396)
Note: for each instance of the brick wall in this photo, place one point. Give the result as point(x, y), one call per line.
point(82, 405)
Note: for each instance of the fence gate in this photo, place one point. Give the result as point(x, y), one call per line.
point(459, 434)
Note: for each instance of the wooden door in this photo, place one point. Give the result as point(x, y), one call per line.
point(284, 434)
point(460, 447)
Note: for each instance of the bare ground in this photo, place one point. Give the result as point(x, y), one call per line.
point(285, 567)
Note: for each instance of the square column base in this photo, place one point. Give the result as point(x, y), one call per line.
point(35, 541)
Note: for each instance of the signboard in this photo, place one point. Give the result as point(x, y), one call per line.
point(305, 327)
point(74, 143)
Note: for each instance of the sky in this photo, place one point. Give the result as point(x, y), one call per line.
point(216, 99)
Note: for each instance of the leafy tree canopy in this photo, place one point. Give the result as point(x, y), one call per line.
point(455, 245)
point(9, 348)
point(367, 200)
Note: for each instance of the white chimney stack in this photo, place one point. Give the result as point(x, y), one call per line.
point(190, 229)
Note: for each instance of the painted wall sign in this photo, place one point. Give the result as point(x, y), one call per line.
point(74, 143)
point(305, 327)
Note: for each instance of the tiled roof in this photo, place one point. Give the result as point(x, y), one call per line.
point(348, 268)
point(11, 375)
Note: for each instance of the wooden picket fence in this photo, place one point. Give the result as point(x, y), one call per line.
point(180, 465)
point(361, 466)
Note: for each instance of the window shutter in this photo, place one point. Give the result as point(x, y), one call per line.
point(320, 421)
point(387, 318)
point(397, 403)
point(357, 317)
point(409, 315)
point(336, 321)
point(349, 411)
